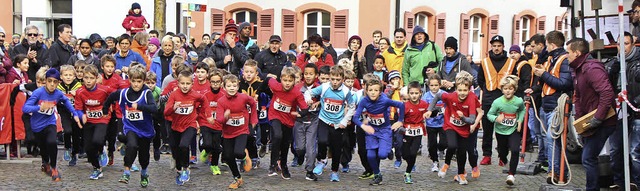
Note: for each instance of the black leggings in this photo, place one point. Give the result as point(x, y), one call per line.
point(114, 127)
point(180, 143)
point(410, 147)
point(233, 149)
point(434, 145)
point(251, 145)
point(211, 142)
point(280, 142)
point(362, 150)
point(158, 123)
point(332, 137)
point(94, 135)
point(460, 145)
point(487, 135)
point(137, 145)
point(48, 144)
point(349, 144)
point(264, 133)
point(508, 143)
point(72, 133)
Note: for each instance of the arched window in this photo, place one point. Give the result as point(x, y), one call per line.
point(317, 22)
point(525, 29)
point(475, 36)
point(422, 20)
point(247, 16)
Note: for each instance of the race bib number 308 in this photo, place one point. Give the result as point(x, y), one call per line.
point(332, 105)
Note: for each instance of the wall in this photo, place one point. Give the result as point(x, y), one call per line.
point(6, 18)
point(106, 17)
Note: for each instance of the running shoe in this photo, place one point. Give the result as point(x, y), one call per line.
point(184, 176)
point(294, 162)
point(204, 156)
point(511, 180)
point(486, 160)
point(319, 168)
point(345, 168)
point(134, 168)
point(462, 179)
point(335, 177)
point(284, 171)
point(156, 154)
point(104, 159)
point(475, 172)
point(434, 167)
point(413, 169)
point(144, 180)
point(73, 161)
point(390, 156)
point(263, 151)
point(407, 178)
point(501, 163)
point(215, 170)
point(95, 174)
point(377, 180)
point(366, 175)
point(247, 161)
point(193, 160)
point(178, 182)
point(46, 168)
point(110, 159)
point(443, 171)
point(311, 176)
point(397, 164)
point(255, 163)
point(67, 155)
point(125, 178)
point(272, 171)
point(236, 183)
point(55, 175)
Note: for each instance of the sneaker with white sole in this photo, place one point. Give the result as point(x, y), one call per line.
point(511, 180)
point(434, 167)
point(443, 171)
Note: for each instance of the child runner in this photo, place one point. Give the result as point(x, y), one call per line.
point(337, 108)
point(350, 131)
point(461, 111)
point(212, 133)
point(236, 120)
point(282, 114)
point(114, 81)
point(89, 101)
point(507, 113)
point(180, 108)
point(43, 120)
point(138, 105)
point(377, 125)
point(200, 86)
point(414, 127)
point(436, 140)
point(150, 81)
point(393, 92)
point(305, 128)
point(72, 133)
point(360, 134)
point(253, 86)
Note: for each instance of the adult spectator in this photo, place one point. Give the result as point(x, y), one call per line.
point(245, 39)
point(135, 21)
point(85, 54)
point(124, 56)
point(97, 44)
point(15, 40)
point(139, 45)
point(328, 47)
point(304, 46)
point(523, 70)
point(184, 44)
point(420, 55)
point(154, 34)
point(634, 18)
point(204, 45)
point(453, 63)
point(60, 50)
point(539, 55)
point(316, 54)
point(372, 50)
point(5, 59)
point(37, 54)
point(383, 45)
point(394, 56)
point(227, 52)
point(215, 36)
point(272, 60)
point(592, 91)
point(351, 54)
point(111, 42)
point(153, 47)
point(161, 64)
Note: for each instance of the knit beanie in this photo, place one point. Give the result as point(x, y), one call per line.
point(53, 73)
point(231, 27)
point(154, 41)
point(393, 74)
point(356, 37)
point(242, 25)
point(135, 6)
point(451, 42)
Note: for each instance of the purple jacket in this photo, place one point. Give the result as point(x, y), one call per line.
point(592, 89)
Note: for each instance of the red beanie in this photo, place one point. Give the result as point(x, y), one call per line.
point(231, 27)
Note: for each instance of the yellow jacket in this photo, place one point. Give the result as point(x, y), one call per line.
point(394, 56)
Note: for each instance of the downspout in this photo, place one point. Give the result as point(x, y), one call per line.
point(397, 13)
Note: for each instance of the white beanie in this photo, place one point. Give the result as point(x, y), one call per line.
point(2, 30)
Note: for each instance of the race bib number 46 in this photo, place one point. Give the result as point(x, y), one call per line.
point(509, 119)
point(332, 105)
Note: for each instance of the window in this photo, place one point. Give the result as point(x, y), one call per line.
point(318, 22)
point(475, 36)
point(525, 27)
point(423, 21)
point(247, 16)
point(565, 27)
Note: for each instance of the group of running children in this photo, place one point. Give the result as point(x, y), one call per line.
point(315, 107)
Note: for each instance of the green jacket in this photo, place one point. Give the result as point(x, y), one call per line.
point(515, 106)
point(415, 61)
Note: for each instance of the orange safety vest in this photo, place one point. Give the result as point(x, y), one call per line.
point(524, 63)
point(555, 72)
point(492, 77)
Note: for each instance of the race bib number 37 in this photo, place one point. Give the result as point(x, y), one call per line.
point(332, 105)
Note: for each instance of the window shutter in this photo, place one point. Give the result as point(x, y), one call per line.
point(542, 21)
point(464, 34)
point(440, 29)
point(559, 23)
point(515, 33)
point(340, 28)
point(409, 23)
point(289, 27)
point(265, 25)
point(493, 27)
point(217, 20)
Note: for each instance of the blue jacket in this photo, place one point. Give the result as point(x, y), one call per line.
point(437, 121)
point(563, 84)
point(125, 61)
point(156, 67)
point(379, 106)
point(336, 106)
point(42, 119)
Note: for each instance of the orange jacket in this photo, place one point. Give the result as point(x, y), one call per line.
point(142, 50)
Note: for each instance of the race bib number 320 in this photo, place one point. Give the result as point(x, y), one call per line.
point(97, 114)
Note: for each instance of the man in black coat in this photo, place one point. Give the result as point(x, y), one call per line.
point(37, 53)
point(60, 50)
point(329, 48)
point(227, 52)
point(272, 60)
point(372, 50)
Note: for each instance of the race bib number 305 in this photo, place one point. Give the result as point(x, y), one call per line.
point(509, 119)
point(332, 105)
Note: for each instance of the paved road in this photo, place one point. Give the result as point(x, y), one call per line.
point(28, 176)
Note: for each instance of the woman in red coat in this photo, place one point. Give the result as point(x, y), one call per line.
point(315, 54)
point(135, 22)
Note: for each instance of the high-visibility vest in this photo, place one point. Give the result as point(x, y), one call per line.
point(531, 63)
point(555, 72)
point(492, 77)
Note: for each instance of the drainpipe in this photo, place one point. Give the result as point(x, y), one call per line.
point(397, 13)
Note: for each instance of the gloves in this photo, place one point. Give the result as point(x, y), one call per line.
point(593, 123)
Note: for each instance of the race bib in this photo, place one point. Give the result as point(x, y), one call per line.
point(236, 120)
point(96, 114)
point(213, 114)
point(376, 119)
point(282, 106)
point(49, 111)
point(509, 119)
point(184, 110)
point(332, 105)
point(414, 132)
point(456, 121)
point(263, 113)
point(71, 98)
point(134, 115)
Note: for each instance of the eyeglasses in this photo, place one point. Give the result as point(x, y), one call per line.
point(32, 34)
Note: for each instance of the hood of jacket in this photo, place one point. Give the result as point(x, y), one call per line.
point(416, 30)
point(634, 55)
